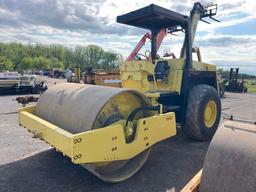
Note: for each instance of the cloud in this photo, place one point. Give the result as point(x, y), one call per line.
point(98, 16)
point(58, 14)
point(67, 14)
point(82, 22)
point(226, 40)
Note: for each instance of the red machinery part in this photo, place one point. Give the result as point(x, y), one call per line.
point(142, 41)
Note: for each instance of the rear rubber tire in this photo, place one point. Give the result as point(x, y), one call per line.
point(195, 127)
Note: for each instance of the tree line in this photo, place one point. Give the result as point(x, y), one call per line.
point(17, 56)
point(225, 74)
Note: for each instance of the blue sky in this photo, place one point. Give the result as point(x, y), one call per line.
point(231, 43)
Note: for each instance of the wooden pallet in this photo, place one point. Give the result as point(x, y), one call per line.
point(194, 183)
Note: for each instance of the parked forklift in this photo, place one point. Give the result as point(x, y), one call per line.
point(109, 130)
point(235, 84)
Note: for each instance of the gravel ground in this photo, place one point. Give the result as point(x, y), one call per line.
point(28, 164)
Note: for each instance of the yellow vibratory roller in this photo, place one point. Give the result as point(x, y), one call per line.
point(79, 108)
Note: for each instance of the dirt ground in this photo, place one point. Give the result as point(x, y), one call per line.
point(28, 164)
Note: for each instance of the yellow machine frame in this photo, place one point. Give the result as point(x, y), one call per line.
point(134, 74)
point(81, 147)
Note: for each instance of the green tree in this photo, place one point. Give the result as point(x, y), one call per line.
point(26, 63)
point(40, 63)
point(79, 57)
point(108, 60)
point(5, 64)
point(17, 54)
point(38, 56)
point(69, 58)
point(55, 63)
point(93, 55)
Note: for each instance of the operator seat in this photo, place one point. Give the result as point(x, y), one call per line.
point(161, 71)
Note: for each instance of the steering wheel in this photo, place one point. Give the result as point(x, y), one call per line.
point(146, 55)
point(138, 56)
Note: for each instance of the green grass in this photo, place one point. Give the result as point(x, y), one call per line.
point(248, 84)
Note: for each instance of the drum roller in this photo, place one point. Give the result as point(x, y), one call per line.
point(78, 108)
point(230, 163)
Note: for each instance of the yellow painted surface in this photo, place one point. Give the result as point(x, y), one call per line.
point(29, 109)
point(149, 131)
point(199, 66)
point(210, 113)
point(77, 74)
point(55, 136)
point(100, 145)
point(134, 74)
